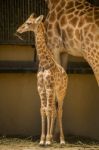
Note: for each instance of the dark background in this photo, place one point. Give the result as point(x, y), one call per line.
point(12, 14)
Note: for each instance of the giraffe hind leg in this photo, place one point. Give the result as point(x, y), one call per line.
point(53, 117)
point(61, 92)
point(60, 113)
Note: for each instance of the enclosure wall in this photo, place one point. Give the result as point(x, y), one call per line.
point(20, 103)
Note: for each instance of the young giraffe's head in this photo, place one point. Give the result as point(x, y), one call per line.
point(30, 24)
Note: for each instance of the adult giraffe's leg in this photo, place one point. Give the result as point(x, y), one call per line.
point(92, 57)
point(64, 60)
point(42, 94)
point(57, 56)
point(61, 57)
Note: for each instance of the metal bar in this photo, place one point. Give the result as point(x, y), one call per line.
point(12, 14)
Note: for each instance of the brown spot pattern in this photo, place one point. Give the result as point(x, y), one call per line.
point(90, 36)
point(57, 27)
point(70, 5)
point(74, 21)
point(60, 14)
point(52, 17)
point(63, 21)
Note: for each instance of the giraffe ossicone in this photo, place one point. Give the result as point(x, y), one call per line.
point(51, 80)
point(72, 26)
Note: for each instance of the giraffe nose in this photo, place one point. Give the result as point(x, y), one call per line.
point(18, 31)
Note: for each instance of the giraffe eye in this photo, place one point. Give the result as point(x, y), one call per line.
point(28, 23)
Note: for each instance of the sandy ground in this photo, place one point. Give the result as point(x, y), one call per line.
point(28, 144)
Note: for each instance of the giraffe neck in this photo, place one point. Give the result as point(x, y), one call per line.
point(44, 55)
point(53, 3)
point(62, 21)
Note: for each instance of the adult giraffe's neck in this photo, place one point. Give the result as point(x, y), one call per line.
point(52, 3)
point(62, 3)
point(44, 55)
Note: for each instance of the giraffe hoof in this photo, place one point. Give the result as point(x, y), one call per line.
point(48, 143)
point(42, 143)
point(62, 143)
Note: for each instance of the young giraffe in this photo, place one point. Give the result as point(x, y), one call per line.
point(52, 80)
point(72, 26)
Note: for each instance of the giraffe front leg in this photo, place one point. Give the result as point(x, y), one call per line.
point(48, 138)
point(42, 94)
point(50, 121)
point(43, 118)
point(53, 116)
point(50, 94)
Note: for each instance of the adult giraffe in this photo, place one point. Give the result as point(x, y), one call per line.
point(72, 26)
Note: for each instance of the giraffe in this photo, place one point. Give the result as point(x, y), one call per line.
point(72, 26)
point(51, 80)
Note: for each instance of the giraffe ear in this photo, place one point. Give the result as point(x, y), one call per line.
point(39, 19)
point(32, 15)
